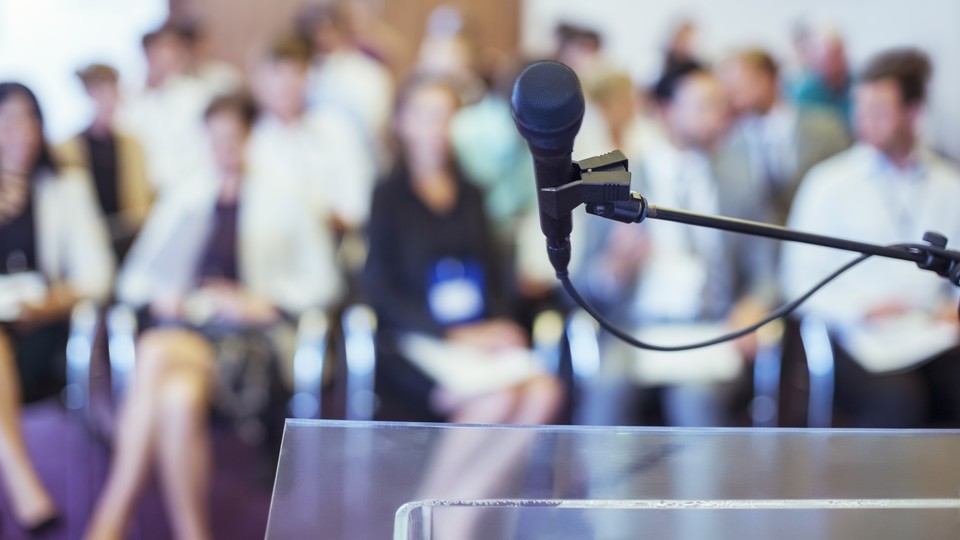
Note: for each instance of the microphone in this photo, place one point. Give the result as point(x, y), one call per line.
point(548, 107)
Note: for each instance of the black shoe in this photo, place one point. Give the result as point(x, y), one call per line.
point(45, 527)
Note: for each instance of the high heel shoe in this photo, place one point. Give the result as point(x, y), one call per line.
point(44, 527)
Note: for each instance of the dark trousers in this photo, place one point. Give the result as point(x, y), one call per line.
point(926, 395)
point(40, 355)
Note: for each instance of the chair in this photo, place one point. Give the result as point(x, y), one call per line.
point(818, 348)
point(309, 363)
point(359, 325)
point(583, 335)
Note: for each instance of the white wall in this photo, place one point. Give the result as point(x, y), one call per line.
point(44, 42)
point(635, 29)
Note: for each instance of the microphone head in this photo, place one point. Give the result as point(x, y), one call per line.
point(548, 106)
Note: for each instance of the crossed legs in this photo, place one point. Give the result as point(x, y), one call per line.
point(164, 422)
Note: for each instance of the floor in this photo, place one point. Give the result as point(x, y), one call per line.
point(73, 465)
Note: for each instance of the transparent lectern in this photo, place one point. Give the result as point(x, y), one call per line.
point(365, 480)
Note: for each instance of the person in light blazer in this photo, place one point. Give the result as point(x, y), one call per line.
point(54, 253)
point(114, 159)
point(218, 261)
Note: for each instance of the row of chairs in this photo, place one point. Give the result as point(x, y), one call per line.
point(350, 344)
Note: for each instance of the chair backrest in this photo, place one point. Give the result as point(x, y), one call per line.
point(359, 325)
point(818, 349)
point(309, 365)
point(84, 325)
point(121, 345)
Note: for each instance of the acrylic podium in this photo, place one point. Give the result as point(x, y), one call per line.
point(356, 481)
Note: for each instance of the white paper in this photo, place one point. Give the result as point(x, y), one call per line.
point(469, 371)
point(898, 343)
point(17, 289)
point(718, 363)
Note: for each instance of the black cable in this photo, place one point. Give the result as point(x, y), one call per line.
point(782, 311)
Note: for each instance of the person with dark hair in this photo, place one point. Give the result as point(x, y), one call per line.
point(165, 114)
point(435, 280)
point(343, 77)
point(54, 253)
point(681, 284)
point(220, 269)
point(320, 154)
point(895, 327)
point(773, 143)
point(114, 159)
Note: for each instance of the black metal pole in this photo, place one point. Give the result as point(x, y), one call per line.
point(779, 233)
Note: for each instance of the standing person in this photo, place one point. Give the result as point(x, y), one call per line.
point(436, 284)
point(773, 142)
point(226, 260)
point(114, 159)
point(895, 326)
point(54, 243)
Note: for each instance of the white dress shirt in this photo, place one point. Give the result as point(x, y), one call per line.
point(860, 195)
point(168, 122)
point(675, 279)
point(321, 157)
point(361, 88)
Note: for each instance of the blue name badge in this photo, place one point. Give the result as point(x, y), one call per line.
point(455, 293)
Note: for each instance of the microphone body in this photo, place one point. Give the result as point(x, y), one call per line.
point(548, 108)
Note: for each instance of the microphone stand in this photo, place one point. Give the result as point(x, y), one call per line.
point(602, 183)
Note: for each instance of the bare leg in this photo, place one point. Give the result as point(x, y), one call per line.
point(477, 464)
point(171, 366)
point(28, 497)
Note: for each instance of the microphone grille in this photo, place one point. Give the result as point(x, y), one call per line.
point(548, 104)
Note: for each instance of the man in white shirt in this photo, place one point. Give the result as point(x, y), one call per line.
point(318, 154)
point(781, 141)
point(895, 326)
point(166, 115)
point(343, 77)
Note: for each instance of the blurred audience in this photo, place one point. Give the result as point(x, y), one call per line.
point(447, 345)
point(166, 114)
point(773, 142)
point(682, 45)
point(495, 158)
point(895, 326)
point(617, 101)
point(824, 77)
point(217, 76)
point(54, 252)
point(671, 280)
point(114, 159)
point(581, 48)
point(220, 269)
point(321, 154)
point(344, 77)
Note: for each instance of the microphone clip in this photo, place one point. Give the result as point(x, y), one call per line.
point(603, 184)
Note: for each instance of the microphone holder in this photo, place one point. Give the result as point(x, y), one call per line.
point(602, 183)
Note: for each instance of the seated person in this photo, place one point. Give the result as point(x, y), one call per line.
point(319, 153)
point(434, 280)
point(781, 141)
point(54, 252)
point(677, 284)
point(219, 267)
point(114, 159)
point(895, 325)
